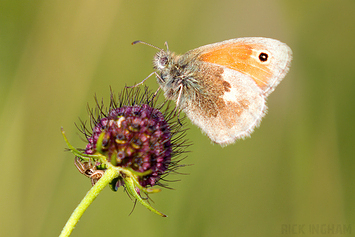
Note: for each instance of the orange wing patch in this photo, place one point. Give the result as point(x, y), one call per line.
point(240, 57)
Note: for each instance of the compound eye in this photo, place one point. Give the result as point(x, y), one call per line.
point(163, 61)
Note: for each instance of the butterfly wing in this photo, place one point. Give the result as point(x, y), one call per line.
point(266, 61)
point(232, 115)
point(236, 82)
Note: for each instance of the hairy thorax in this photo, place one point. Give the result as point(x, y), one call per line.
point(190, 81)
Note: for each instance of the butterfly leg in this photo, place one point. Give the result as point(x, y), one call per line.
point(140, 83)
point(156, 93)
point(179, 96)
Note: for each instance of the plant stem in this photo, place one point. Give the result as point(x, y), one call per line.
point(110, 174)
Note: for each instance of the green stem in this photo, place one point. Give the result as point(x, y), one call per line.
point(110, 174)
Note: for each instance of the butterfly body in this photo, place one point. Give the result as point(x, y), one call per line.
point(222, 87)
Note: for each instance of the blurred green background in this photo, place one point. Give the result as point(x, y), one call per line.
point(297, 168)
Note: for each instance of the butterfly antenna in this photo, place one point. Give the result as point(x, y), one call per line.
point(166, 45)
point(142, 42)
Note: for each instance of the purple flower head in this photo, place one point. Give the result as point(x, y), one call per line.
point(136, 134)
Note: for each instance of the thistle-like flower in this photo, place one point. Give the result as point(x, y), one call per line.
point(138, 139)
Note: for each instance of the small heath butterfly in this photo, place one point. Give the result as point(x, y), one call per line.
point(222, 87)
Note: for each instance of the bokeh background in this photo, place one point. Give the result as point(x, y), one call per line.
point(297, 168)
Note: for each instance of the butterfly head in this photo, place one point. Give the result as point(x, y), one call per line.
point(162, 60)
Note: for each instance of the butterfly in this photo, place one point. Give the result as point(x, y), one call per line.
point(222, 87)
